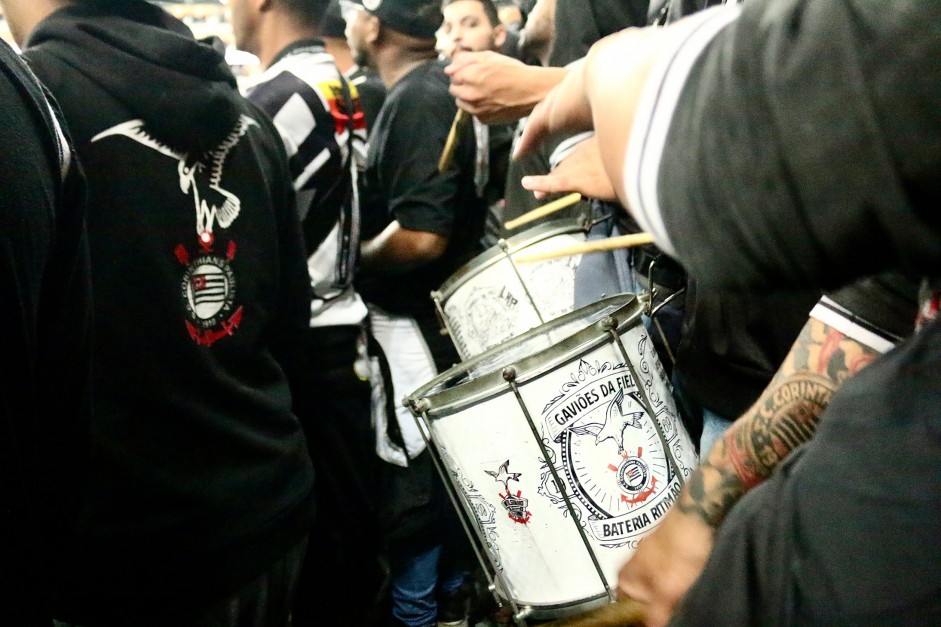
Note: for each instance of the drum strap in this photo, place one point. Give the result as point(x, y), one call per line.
point(318, 225)
point(393, 432)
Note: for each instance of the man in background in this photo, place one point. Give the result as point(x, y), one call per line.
point(317, 113)
point(421, 225)
point(474, 26)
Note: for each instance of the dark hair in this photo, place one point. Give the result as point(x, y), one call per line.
point(308, 12)
point(490, 9)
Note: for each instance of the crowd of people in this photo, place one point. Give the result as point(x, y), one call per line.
point(219, 293)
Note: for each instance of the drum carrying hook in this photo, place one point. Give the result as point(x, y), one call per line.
point(652, 311)
point(442, 316)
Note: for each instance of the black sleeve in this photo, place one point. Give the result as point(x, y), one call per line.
point(45, 340)
point(579, 24)
point(887, 303)
point(419, 197)
point(806, 146)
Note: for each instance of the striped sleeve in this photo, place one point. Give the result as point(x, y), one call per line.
point(655, 113)
point(852, 326)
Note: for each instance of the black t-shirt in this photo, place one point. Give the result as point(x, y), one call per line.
point(402, 183)
point(579, 24)
point(887, 304)
point(850, 190)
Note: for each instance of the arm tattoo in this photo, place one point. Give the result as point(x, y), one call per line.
point(785, 416)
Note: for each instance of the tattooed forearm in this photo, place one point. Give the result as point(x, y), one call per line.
point(784, 417)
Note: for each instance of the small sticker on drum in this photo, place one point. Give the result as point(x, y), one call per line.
point(514, 504)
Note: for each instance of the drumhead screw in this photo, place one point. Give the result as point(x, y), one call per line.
point(420, 405)
point(509, 374)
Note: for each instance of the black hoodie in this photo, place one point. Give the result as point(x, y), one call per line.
point(200, 476)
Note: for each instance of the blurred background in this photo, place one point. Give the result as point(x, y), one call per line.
point(206, 18)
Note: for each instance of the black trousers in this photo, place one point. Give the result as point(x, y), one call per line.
point(343, 573)
point(263, 602)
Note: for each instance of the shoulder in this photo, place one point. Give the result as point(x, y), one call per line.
point(266, 135)
point(423, 94)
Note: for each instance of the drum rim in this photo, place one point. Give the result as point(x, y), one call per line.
point(514, 244)
point(556, 611)
point(529, 367)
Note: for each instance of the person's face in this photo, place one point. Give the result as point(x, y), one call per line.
point(358, 24)
point(467, 28)
point(245, 24)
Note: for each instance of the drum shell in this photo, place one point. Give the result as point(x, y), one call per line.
point(503, 475)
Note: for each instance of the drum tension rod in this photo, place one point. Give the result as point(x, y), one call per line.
point(509, 375)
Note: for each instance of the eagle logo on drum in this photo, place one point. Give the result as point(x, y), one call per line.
point(614, 454)
point(629, 414)
point(514, 504)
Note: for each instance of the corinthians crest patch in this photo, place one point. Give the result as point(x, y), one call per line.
point(208, 290)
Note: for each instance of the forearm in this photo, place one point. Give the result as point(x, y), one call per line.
point(784, 417)
point(398, 250)
point(539, 81)
point(615, 72)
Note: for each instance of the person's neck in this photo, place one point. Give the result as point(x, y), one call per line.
point(394, 63)
point(23, 17)
point(277, 33)
point(340, 51)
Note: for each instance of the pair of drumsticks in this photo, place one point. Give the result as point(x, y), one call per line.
point(594, 246)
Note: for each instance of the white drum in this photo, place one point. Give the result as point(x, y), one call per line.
point(494, 297)
point(564, 449)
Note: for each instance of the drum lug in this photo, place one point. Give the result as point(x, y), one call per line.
point(442, 317)
point(419, 406)
point(523, 614)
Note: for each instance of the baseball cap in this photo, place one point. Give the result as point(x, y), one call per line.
point(332, 23)
point(417, 18)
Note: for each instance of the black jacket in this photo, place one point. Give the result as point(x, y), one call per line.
point(200, 475)
point(44, 342)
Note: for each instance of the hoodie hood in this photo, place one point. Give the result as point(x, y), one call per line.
point(149, 62)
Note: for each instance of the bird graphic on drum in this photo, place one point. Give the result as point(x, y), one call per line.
point(629, 414)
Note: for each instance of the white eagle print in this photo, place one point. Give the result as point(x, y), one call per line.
point(212, 205)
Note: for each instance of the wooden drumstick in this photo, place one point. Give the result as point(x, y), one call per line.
point(593, 246)
point(625, 613)
point(447, 155)
point(540, 212)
